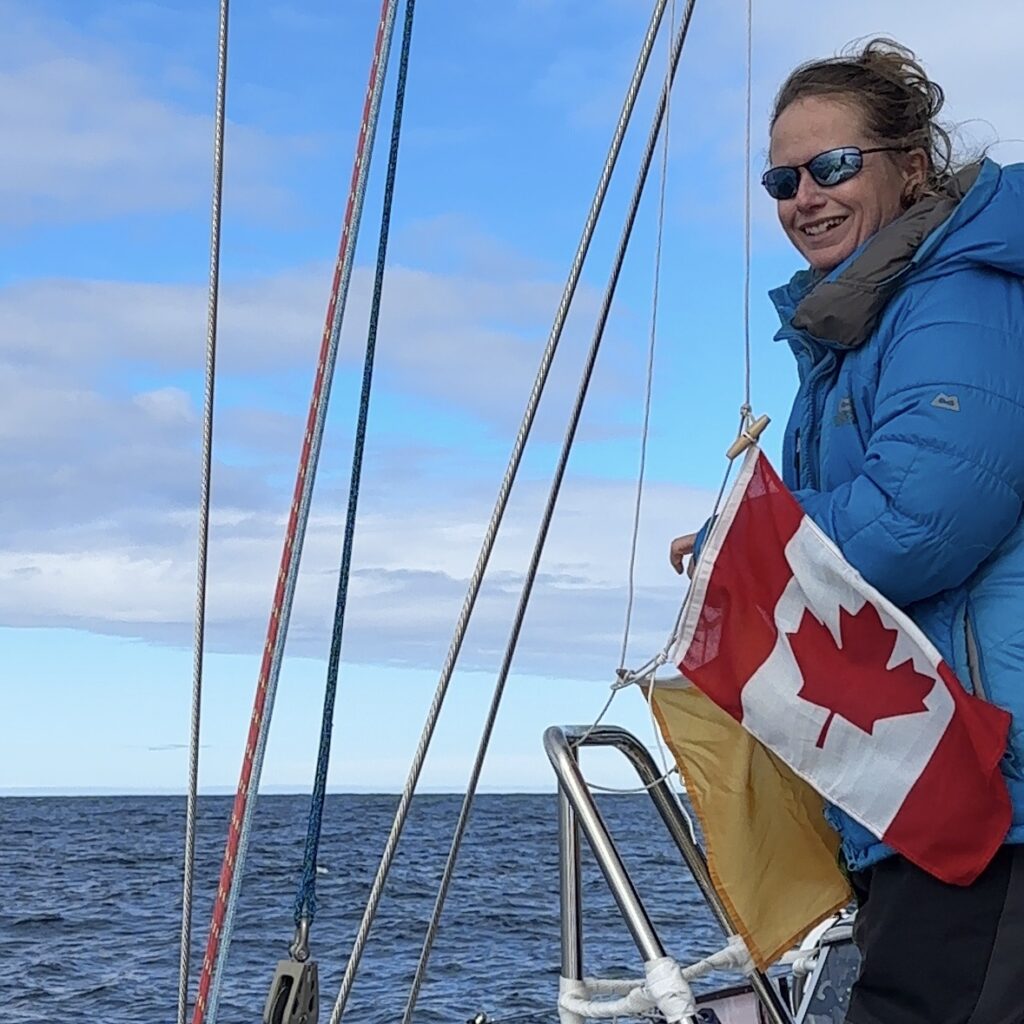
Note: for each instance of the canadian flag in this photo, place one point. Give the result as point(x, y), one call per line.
point(787, 637)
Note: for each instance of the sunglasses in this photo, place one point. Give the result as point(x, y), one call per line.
point(832, 167)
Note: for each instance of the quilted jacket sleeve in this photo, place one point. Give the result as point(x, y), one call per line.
point(943, 476)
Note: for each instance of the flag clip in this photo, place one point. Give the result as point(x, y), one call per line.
point(747, 437)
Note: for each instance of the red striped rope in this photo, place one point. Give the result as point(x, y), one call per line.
point(320, 389)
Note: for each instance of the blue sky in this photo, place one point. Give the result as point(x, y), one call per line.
point(104, 194)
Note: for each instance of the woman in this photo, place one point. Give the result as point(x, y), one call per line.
point(906, 446)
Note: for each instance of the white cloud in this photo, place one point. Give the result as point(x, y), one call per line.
point(100, 530)
point(975, 58)
point(467, 341)
point(135, 577)
point(166, 405)
point(100, 534)
point(93, 140)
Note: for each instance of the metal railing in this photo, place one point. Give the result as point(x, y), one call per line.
point(577, 808)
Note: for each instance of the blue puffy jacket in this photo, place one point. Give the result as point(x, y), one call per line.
point(906, 439)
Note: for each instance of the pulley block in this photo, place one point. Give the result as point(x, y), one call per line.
point(294, 994)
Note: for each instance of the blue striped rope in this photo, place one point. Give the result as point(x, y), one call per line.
point(305, 899)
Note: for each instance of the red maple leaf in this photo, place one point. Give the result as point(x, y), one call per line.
point(851, 679)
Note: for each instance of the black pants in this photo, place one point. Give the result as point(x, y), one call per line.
point(933, 953)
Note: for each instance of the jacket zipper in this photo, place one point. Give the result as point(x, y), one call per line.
point(973, 665)
point(799, 482)
point(821, 370)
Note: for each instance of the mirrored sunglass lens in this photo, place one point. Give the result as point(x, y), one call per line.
point(836, 166)
point(782, 182)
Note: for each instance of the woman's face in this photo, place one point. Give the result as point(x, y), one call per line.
point(828, 224)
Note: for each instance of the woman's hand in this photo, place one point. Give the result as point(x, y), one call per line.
point(679, 549)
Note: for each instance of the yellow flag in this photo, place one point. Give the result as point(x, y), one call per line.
point(771, 854)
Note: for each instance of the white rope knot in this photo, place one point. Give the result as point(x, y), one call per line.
point(577, 1005)
point(670, 990)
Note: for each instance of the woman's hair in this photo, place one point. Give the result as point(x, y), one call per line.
point(892, 91)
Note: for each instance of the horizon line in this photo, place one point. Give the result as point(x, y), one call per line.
point(14, 792)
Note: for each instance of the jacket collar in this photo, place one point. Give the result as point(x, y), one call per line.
point(844, 307)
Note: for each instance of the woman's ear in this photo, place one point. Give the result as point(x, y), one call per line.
point(915, 175)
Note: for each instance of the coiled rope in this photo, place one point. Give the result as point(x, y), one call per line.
point(232, 868)
point(497, 514)
point(212, 305)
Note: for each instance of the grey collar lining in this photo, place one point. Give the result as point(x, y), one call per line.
point(846, 310)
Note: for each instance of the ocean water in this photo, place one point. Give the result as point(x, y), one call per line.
point(90, 906)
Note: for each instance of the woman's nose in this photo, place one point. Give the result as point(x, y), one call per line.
point(808, 193)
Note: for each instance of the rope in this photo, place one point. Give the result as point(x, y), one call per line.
point(647, 420)
point(574, 998)
point(746, 209)
point(645, 429)
point(305, 900)
point(634, 790)
point(545, 524)
point(733, 956)
point(192, 798)
point(232, 868)
point(665, 988)
point(746, 414)
point(669, 990)
point(615, 688)
point(495, 521)
point(647, 670)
